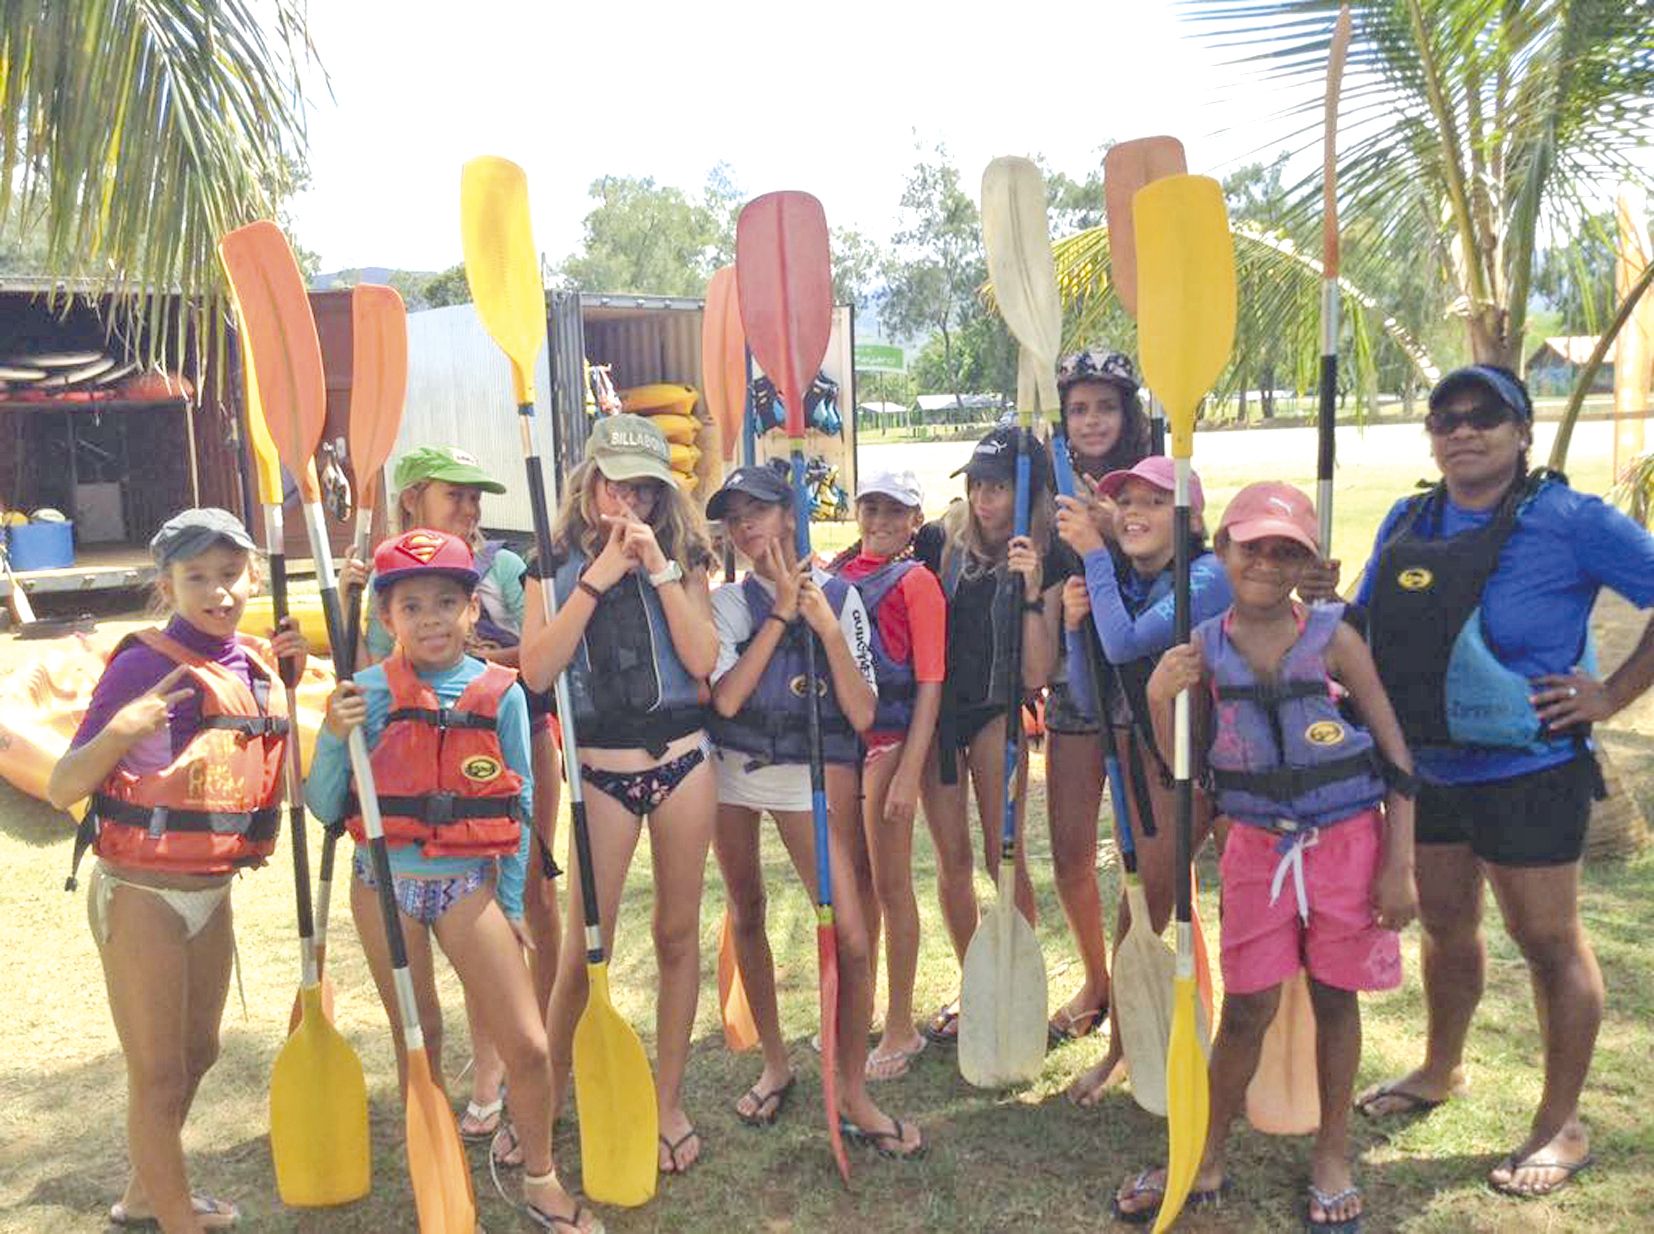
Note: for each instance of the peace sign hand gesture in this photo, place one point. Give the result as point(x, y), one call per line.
point(150, 712)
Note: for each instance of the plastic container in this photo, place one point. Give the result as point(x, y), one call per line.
point(41, 546)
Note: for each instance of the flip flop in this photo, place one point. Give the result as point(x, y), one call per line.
point(943, 1028)
point(1065, 1027)
point(214, 1214)
point(901, 1062)
point(1327, 1202)
point(1412, 1103)
point(888, 1144)
point(480, 1114)
point(773, 1102)
point(1570, 1169)
point(512, 1145)
point(672, 1147)
point(1140, 1185)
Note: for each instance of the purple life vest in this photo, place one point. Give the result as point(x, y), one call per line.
point(895, 678)
point(773, 726)
point(1282, 755)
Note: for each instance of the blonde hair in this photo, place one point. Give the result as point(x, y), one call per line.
point(159, 608)
point(406, 519)
point(963, 534)
point(679, 529)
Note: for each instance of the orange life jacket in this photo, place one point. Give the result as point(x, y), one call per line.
point(440, 774)
point(216, 806)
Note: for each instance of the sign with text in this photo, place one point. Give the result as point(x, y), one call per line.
point(880, 358)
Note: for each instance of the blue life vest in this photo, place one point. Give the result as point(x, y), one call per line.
point(626, 681)
point(895, 678)
point(495, 624)
point(1282, 754)
point(772, 726)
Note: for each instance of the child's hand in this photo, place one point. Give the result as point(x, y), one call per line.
point(1103, 508)
point(814, 606)
point(773, 566)
point(901, 799)
point(347, 710)
point(641, 544)
point(1395, 895)
point(353, 571)
point(1021, 558)
point(615, 562)
point(151, 711)
point(1180, 669)
point(1077, 524)
point(1319, 581)
point(1076, 603)
point(286, 642)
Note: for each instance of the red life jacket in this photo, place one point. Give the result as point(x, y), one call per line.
point(216, 806)
point(441, 776)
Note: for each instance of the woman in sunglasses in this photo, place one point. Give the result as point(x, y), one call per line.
point(1479, 595)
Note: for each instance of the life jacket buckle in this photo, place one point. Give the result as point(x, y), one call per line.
point(157, 822)
point(1287, 826)
point(439, 809)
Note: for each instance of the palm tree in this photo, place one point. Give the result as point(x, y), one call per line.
point(136, 132)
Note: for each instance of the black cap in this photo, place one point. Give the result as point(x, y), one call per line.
point(1505, 387)
point(762, 482)
point(995, 458)
point(190, 533)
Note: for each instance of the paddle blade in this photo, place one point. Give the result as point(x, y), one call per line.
point(724, 359)
point(266, 462)
point(437, 1169)
point(278, 333)
point(326, 1003)
point(1144, 970)
point(1203, 965)
point(501, 264)
point(740, 1032)
point(1127, 167)
point(1283, 1097)
point(1186, 309)
point(784, 282)
point(1189, 1096)
point(614, 1093)
point(1002, 1000)
point(379, 382)
point(319, 1114)
point(1017, 238)
point(827, 968)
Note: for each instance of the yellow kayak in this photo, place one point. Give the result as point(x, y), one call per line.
point(684, 458)
point(681, 430)
point(660, 397)
point(686, 480)
point(305, 605)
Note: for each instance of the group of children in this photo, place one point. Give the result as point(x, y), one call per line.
point(689, 703)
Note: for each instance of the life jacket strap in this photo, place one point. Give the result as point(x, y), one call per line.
point(159, 820)
point(1271, 693)
point(1287, 783)
point(251, 726)
point(440, 809)
point(440, 718)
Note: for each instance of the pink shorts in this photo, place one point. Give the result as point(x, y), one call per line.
point(1264, 943)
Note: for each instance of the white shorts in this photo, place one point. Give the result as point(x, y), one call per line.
point(780, 786)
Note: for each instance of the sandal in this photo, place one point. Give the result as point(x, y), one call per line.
point(767, 1107)
point(214, 1214)
point(895, 1064)
point(1066, 1027)
point(556, 1221)
point(1211, 1198)
point(943, 1028)
point(1411, 1103)
point(888, 1144)
point(672, 1147)
point(512, 1155)
point(1327, 1202)
point(1569, 1170)
point(485, 1119)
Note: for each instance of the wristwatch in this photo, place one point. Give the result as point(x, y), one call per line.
point(671, 573)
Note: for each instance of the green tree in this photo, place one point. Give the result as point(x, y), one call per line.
point(653, 239)
point(857, 262)
point(1575, 275)
point(137, 133)
point(449, 287)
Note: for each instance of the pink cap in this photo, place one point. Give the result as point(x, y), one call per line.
point(1271, 508)
point(1157, 470)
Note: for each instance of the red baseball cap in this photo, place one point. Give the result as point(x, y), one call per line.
point(1271, 508)
point(423, 551)
point(1158, 471)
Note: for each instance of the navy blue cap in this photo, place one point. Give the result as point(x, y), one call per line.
point(761, 481)
point(1501, 383)
point(995, 458)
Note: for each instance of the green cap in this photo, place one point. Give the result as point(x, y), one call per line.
point(630, 448)
point(449, 464)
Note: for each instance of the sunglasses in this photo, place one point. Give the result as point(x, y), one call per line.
point(1482, 417)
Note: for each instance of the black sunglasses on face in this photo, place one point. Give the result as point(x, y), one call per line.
point(1483, 417)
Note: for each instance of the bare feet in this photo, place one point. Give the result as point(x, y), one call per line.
point(1088, 1088)
point(1540, 1168)
point(1417, 1092)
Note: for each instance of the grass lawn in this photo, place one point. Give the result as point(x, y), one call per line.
point(999, 1161)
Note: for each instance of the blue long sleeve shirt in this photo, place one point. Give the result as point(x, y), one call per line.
point(327, 790)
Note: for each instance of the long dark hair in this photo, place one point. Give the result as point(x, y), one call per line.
point(1132, 446)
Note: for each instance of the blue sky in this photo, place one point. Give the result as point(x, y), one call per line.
point(826, 98)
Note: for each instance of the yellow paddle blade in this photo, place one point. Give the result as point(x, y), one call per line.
point(1017, 239)
point(437, 1169)
point(1144, 968)
point(501, 264)
point(1002, 997)
point(1189, 1102)
point(1185, 294)
point(266, 462)
point(319, 1114)
point(614, 1094)
point(1284, 1097)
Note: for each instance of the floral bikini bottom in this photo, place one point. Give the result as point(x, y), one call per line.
point(643, 792)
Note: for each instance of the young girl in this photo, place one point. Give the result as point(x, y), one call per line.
point(441, 488)
point(978, 560)
point(1311, 868)
point(447, 727)
point(1106, 430)
point(1129, 602)
point(759, 724)
point(187, 728)
point(634, 628)
point(909, 658)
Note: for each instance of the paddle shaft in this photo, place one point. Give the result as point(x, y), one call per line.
point(1327, 410)
point(1181, 754)
point(1013, 688)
